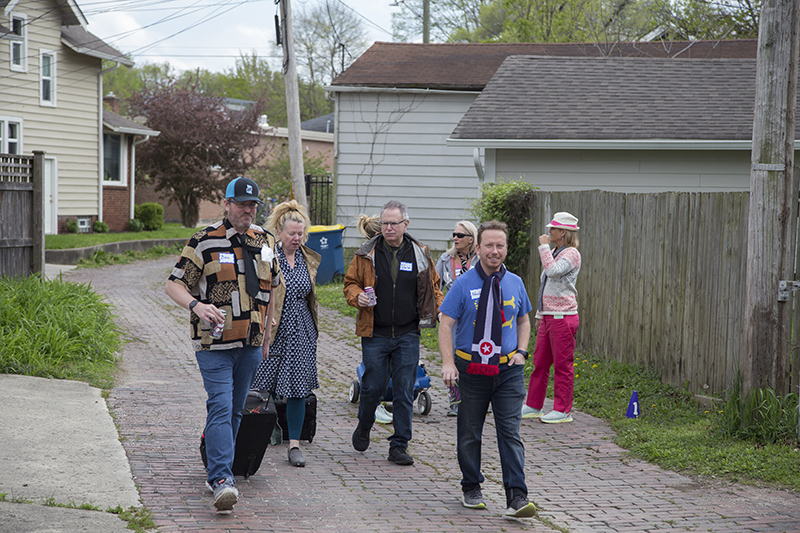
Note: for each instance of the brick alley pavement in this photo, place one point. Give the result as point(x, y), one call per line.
point(580, 480)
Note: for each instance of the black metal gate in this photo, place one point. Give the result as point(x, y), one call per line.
point(319, 193)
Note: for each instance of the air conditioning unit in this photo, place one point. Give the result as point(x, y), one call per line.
point(84, 225)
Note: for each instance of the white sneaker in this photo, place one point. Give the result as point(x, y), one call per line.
point(530, 412)
point(556, 417)
point(382, 416)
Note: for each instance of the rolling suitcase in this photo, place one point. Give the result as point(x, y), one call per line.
point(309, 422)
point(258, 421)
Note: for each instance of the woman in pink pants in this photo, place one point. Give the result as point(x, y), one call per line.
point(556, 321)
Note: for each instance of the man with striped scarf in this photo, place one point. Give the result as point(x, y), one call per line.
point(488, 306)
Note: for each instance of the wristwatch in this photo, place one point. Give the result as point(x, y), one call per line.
point(191, 305)
point(523, 353)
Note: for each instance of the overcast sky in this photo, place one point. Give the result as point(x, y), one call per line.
point(209, 34)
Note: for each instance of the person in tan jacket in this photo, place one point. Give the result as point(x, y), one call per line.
point(399, 271)
point(294, 341)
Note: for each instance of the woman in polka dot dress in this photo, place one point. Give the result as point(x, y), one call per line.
point(293, 349)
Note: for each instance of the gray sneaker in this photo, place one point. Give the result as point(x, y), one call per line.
point(520, 508)
point(225, 495)
point(473, 499)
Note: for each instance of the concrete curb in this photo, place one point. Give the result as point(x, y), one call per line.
point(71, 256)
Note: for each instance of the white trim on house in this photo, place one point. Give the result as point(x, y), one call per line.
point(356, 89)
point(305, 135)
point(11, 6)
point(52, 78)
point(51, 194)
point(4, 134)
point(123, 161)
point(18, 40)
point(603, 144)
point(94, 53)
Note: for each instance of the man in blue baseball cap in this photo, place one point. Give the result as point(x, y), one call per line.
point(242, 189)
point(225, 276)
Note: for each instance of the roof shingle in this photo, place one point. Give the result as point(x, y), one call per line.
point(470, 66)
point(533, 97)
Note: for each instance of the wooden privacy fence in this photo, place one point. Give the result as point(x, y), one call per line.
point(662, 280)
point(21, 224)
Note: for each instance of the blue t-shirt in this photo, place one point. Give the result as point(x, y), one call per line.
point(461, 303)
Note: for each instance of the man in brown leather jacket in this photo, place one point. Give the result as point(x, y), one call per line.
point(401, 272)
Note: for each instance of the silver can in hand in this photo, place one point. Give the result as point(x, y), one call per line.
point(216, 330)
point(372, 300)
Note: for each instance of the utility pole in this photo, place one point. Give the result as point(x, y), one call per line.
point(773, 201)
point(426, 21)
point(292, 105)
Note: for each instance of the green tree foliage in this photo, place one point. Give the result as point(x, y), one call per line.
point(510, 203)
point(327, 39)
point(598, 21)
point(202, 144)
point(698, 19)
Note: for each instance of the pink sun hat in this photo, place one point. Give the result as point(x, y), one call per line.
point(564, 220)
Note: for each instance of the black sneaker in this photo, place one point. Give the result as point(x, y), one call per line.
point(398, 455)
point(361, 439)
point(520, 508)
point(473, 499)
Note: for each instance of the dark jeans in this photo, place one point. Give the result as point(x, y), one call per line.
point(505, 391)
point(383, 358)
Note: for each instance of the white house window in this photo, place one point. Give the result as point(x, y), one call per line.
point(19, 43)
point(47, 74)
point(10, 136)
point(113, 162)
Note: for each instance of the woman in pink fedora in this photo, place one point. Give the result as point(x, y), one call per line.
point(556, 321)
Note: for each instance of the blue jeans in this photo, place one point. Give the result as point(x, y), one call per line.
point(227, 375)
point(506, 392)
point(383, 358)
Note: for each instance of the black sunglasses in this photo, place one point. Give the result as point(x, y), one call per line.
point(461, 235)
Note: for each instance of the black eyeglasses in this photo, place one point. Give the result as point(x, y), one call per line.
point(461, 235)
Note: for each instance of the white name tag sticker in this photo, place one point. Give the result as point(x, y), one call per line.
point(475, 294)
point(267, 255)
point(406, 267)
point(227, 257)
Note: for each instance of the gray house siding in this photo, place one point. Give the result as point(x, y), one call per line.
point(630, 171)
point(391, 145)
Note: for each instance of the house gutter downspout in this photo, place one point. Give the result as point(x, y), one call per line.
point(101, 158)
point(133, 172)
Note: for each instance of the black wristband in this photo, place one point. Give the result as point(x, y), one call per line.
point(194, 303)
point(524, 353)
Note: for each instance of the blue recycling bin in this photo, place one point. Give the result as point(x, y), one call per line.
point(327, 242)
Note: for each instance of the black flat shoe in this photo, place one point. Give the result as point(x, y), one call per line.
point(296, 457)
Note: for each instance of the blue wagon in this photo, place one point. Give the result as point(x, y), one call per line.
point(421, 386)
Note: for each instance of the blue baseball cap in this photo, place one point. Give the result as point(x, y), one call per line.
point(242, 189)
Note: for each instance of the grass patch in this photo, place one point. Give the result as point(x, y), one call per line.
point(81, 240)
point(672, 430)
point(59, 330)
point(102, 258)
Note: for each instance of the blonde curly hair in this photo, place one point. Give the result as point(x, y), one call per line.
point(286, 211)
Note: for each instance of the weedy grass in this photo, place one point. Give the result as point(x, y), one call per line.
point(81, 240)
point(57, 330)
point(674, 431)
